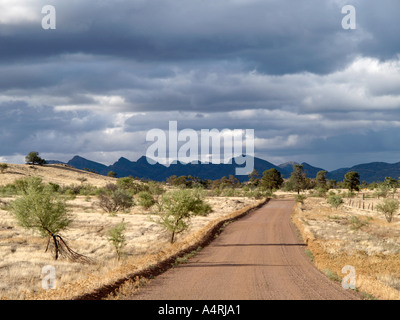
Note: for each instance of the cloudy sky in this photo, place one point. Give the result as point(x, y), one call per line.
point(113, 70)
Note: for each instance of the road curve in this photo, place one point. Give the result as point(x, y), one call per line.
point(258, 257)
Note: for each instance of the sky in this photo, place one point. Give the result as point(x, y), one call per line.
point(110, 71)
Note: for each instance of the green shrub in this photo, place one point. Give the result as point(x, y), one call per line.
point(229, 192)
point(216, 192)
point(31, 182)
point(145, 199)
point(332, 275)
point(71, 190)
point(320, 192)
point(129, 184)
point(350, 194)
point(112, 201)
point(388, 207)
point(88, 190)
point(117, 238)
point(309, 254)
point(300, 198)
point(259, 193)
point(54, 187)
point(155, 188)
point(335, 201)
point(111, 174)
point(357, 223)
point(3, 167)
point(8, 190)
point(382, 191)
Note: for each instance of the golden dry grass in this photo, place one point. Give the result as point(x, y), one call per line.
point(336, 239)
point(56, 173)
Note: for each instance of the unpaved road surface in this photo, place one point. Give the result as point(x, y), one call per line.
point(258, 257)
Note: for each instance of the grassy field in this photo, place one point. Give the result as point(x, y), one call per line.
point(351, 235)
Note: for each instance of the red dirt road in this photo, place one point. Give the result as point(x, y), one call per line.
point(258, 257)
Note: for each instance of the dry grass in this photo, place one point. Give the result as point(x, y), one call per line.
point(56, 173)
point(23, 253)
point(356, 237)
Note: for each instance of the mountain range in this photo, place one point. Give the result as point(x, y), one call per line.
point(369, 172)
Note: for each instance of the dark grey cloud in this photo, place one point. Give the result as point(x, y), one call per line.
point(24, 127)
point(113, 70)
point(274, 36)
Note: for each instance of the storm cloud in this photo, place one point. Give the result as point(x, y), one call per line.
point(112, 70)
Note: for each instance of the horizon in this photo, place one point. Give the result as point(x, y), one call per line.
point(316, 83)
point(144, 156)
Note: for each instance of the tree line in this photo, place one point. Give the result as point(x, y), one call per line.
point(272, 179)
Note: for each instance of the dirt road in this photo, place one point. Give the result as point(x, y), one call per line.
point(258, 257)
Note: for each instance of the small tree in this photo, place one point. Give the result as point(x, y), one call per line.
point(3, 167)
point(176, 209)
point(271, 179)
point(112, 174)
point(388, 207)
point(298, 180)
point(117, 238)
point(254, 178)
point(33, 158)
point(391, 182)
point(352, 181)
point(40, 210)
point(320, 180)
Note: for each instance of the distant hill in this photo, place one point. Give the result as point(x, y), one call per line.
point(310, 170)
point(288, 166)
point(142, 169)
point(82, 163)
point(369, 172)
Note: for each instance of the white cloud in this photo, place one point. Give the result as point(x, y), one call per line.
point(14, 12)
point(100, 103)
